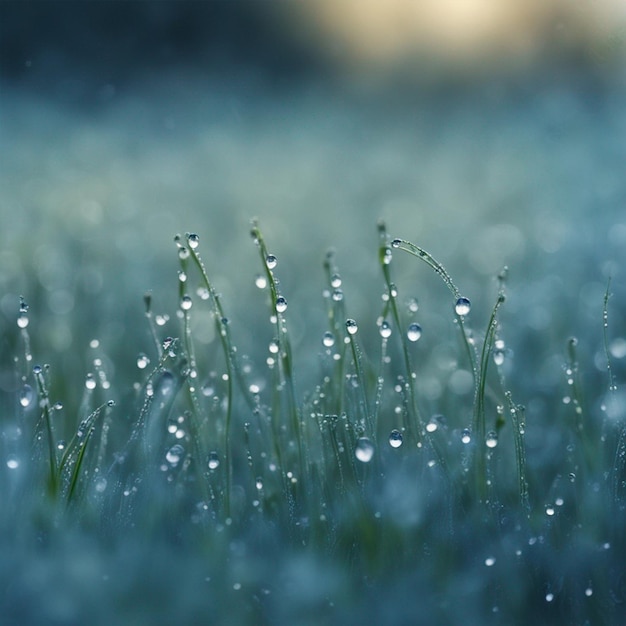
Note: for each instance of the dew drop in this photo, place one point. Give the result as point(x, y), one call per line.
point(492, 439)
point(385, 329)
point(396, 243)
point(161, 320)
point(414, 332)
point(142, 361)
point(90, 382)
point(37, 370)
point(193, 240)
point(186, 303)
point(387, 256)
point(335, 281)
point(337, 295)
point(462, 306)
point(259, 483)
point(466, 436)
point(260, 281)
point(214, 460)
point(182, 276)
point(364, 450)
point(26, 396)
point(281, 304)
point(183, 254)
point(490, 561)
point(111, 403)
point(174, 454)
point(22, 320)
point(432, 425)
point(328, 340)
point(271, 261)
point(395, 438)
point(12, 462)
point(351, 327)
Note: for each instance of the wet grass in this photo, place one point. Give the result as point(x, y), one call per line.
point(375, 486)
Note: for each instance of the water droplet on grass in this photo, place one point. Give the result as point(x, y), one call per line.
point(414, 332)
point(214, 460)
point(364, 450)
point(281, 304)
point(385, 329)
point(186, 303)
point(335, 281)
point(492, 439)
point(193, 240)
point(351, 327)
point(412, 305)
point(498, 357)
point(466, 436)
point(463, 306)
point(328, 340)
point(183, 254)
point(22, 320)
point(432, 425)
point(396, 243)
point(90, 382)
point(142, 361)
point(26, 396)
point(395, 438)
point(174, 454)
point(271, 261)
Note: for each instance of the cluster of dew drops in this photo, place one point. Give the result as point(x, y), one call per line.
point(364, 450)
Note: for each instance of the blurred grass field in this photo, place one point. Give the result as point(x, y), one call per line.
point(104, 158)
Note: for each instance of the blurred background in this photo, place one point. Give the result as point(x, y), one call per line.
point(488, 132)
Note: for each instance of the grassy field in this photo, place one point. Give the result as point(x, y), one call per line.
point(306, 426)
